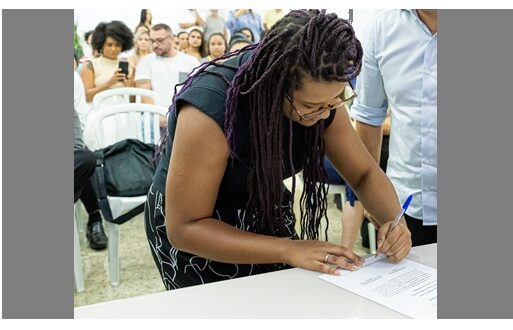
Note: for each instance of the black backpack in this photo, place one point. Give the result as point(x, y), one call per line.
point(123, 169)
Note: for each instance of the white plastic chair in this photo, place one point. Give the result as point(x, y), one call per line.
point(77, 260)
point(138, 117)
point(122, 96)
point(108, 98)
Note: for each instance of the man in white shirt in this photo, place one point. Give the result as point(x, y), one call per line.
point(400, 70)
point(164, 68)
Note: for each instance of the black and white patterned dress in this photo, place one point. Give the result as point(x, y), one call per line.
point(180, 269)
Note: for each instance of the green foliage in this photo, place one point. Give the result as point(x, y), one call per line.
point(77, 46)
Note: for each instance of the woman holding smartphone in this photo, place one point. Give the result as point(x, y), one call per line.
point(104, 72)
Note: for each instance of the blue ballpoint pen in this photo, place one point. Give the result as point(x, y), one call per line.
point(398, 217)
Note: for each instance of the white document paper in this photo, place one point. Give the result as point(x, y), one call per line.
point(407, 287)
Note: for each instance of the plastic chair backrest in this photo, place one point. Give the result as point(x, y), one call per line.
point(122, 96)
point(130, 121)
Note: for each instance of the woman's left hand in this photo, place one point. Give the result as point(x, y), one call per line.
point(397, 244)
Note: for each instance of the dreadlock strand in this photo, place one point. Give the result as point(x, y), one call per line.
point(263, 78)
point(291, 163)
point(303, 43)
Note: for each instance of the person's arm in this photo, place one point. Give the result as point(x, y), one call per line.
point(199, 20)
point(369, 182)
point(260, 27)
point(185, 25)
point(369, 108)
point(142, 78)
point(266, 20)
point(387, 125)
point(232, 22)
point(87, 75)
point(239, 12)
point(131, 75)
point(372, 137)
point(146, 84)
point(192, 186)
point(226, 34)
point(131, 62)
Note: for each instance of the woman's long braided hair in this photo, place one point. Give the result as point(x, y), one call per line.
point(304, 43)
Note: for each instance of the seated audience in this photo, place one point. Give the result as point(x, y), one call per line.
point(238, 41)
point(142, 47)
point(216, 47)
point(183, 41)
point(241, 18)
point(195, 44)
point(248, 33)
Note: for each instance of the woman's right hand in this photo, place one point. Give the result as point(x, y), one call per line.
point(320, 256)
point(117, 77)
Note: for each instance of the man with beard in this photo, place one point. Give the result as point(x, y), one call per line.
point(164, 68)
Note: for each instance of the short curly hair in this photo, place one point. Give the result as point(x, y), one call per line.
point(117, 30)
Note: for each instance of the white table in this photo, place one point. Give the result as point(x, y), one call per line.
point(292, 293)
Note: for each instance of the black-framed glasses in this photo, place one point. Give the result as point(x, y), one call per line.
point(159, 40)
point(329, 107)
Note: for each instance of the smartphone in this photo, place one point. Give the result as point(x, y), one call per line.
point(123, 65)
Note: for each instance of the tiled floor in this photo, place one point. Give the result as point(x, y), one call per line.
point(138, 273)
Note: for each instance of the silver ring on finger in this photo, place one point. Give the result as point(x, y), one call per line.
point(326, 258)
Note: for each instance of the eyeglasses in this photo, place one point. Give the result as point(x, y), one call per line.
point(322, 109)
point(160, 40)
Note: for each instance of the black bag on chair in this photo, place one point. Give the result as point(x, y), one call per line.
point(123, 169)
